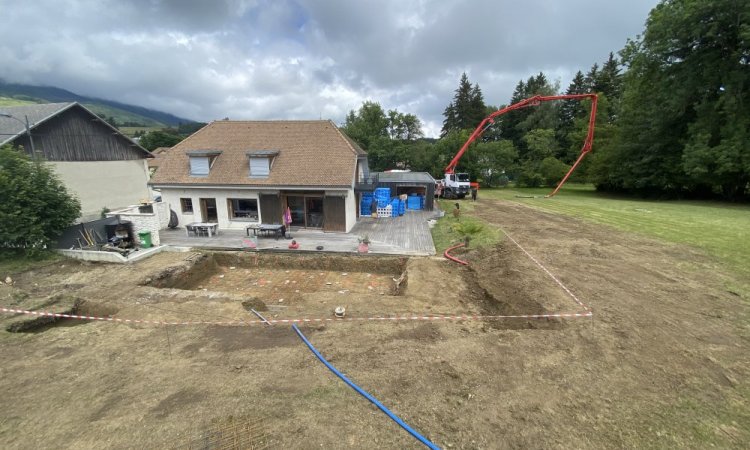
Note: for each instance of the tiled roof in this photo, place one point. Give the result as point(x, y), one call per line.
point(310, 153)
point(158, 153)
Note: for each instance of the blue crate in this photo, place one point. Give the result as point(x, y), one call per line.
point(395, 207)
point(413, 202)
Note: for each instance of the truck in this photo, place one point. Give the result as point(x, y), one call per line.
point(456, 184)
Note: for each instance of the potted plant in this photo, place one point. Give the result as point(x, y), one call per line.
point(364, 244)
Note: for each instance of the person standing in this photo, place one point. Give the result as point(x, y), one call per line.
point(474, 193)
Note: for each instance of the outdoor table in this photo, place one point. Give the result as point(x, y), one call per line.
point(210, 228)
point(265, 230)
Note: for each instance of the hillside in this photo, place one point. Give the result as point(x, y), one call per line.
point(20, 94)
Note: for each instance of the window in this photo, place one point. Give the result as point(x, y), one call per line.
point(261, 162)
point(260, 167)
point(243, 208)
point(201, 161)
point(187, 205)
point(199, 165)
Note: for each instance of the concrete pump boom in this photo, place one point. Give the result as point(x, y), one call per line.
point(533, 101)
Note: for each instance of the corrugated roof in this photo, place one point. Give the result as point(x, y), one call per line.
point(405, 177)
point(11, 128)
point(310, 153)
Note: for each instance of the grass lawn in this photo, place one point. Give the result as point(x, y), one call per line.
point(12, 263)
point(721, 229)
point(447, 230)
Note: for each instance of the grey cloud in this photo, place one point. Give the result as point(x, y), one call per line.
point(296, 59)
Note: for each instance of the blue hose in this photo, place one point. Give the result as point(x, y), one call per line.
point(364, 394)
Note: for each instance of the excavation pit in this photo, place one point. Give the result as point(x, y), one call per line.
point(283, 278)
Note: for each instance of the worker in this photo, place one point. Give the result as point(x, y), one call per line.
point(457, 212)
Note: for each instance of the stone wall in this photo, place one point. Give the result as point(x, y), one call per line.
point(145, 221)
point(162, 211)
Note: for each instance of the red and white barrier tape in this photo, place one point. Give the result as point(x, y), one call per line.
point(301, 320)
point(541, 266)
point(587, 312)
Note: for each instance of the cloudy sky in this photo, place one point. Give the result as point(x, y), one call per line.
point(305, 59)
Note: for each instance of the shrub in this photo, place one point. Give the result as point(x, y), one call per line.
point(36, 206)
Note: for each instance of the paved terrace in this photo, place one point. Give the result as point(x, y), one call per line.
point(405, 235)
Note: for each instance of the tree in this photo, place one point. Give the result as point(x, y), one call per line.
point(537, 167)
point(109, 119)
point(366, 124)
point(516, 124)
point(570, 110)
point(402, 126)
point(388, 138)
point(160, 138)
point(609, 83)
point(466, 110)
point(495, 160)
point(685, 116)
point(36, 205)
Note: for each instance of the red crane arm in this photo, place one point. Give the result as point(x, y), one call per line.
point(532, 101)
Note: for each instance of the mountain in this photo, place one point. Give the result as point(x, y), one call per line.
point(122, 112)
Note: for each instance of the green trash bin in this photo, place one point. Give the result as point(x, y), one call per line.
point(145, 238)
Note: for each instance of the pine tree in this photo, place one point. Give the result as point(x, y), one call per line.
point(570, 110)
point(466, 110)
point(591, 82)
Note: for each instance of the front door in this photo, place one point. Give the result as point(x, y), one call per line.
point(209, 214)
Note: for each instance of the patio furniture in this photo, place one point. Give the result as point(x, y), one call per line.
point(265, 229)
point(202, 229)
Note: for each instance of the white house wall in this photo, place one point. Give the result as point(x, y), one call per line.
point(100, 184)
point(172, 196)
point(351, 210)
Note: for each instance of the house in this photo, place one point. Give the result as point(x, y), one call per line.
point(97, 163)
point(237, 173)
point(154, 162)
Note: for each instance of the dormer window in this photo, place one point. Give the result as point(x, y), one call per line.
point(201, 161)
point(260, 162)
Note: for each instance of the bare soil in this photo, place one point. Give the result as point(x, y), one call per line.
point(664, 363)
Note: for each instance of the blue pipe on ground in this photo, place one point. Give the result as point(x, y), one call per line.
point(364, 394)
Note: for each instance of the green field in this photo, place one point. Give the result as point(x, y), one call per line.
point(720, 229)
point(122, 116)
point(130, 131)
point(7, 101)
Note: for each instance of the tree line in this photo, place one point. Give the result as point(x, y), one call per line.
point(673, 116)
